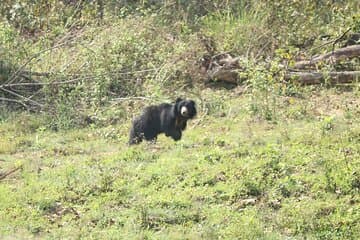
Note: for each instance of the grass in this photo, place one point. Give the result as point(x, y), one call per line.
point(232, 176)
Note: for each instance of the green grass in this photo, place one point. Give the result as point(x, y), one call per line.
point(232, 176)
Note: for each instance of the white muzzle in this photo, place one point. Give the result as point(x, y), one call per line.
point(184, 111)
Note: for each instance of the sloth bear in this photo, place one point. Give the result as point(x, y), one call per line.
point(164, 118)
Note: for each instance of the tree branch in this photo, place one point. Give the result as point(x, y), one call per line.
point(40, 84)
point(337, 55)
point(21, 68)
point(308, 78)
point(3, 176)
point(13, 100)
point(20, 96)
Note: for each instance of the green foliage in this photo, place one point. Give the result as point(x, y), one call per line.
point(303, 22)
point(35, 17)
point(116, 49)
point(264, 90)
point(243, 31)
point(327, 125)
point(234, 175)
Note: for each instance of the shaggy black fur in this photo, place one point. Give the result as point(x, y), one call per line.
point(164, 118)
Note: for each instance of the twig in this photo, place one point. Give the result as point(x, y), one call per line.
point(112, 73)
point(12, 77)
point(39, 74)
point(262, 49)
point(21, 68)
point(77, 10)
point(20, 96)
point(40, 84)
point(13, 100)
point(339, 38)
point(219, 54)
point(48, 74)
point(332, 41)
point(10, 172)
point(131, 98)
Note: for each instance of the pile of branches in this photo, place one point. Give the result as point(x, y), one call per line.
point(24, 88)
point(225, 68)
point(306, 72)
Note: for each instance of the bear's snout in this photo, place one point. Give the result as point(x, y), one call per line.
point(184, 111)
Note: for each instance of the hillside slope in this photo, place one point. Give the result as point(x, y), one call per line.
point(230, 177)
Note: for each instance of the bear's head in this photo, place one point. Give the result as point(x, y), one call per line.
point(185, 108)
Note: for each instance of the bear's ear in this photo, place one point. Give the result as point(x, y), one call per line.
point(178, 100)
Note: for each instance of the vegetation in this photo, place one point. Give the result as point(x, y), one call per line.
point(265, 159)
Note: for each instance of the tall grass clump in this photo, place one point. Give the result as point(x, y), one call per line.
point(242, 30)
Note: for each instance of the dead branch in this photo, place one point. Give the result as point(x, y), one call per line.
point(340, 38)
point(21, 68)
point(13, 100)
point(3, 176)
point(221, 67)
point(111, 73)
point(226, 75)
point(40, 84)
point(308, 78)
point(333, 41)
point(20, 96)
point(131, 98)
point(38, 74)
point(335, 56)
point(36, 55)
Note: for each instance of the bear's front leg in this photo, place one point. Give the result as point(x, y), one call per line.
point(135, 136)
point(176, 135)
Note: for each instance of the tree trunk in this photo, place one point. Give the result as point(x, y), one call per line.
point(335, 56)
point(308, 78)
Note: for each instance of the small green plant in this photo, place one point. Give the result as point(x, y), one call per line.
point(327, 124)
point(263, 93)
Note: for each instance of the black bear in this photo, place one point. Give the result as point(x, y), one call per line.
point(164, 118)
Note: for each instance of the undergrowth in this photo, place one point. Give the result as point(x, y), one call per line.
point(268, 159)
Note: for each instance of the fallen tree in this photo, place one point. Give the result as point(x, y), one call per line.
point(332, 57)
point(223, 67)
point(308, 78)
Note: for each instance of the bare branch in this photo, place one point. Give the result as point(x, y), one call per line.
point(337, 55)
point(307, 78)
point(40, 84)
point(20, 96)
point(13, 100)
point(333, 41)
point(13, 76)
point(340, 38)
point(131, 98)
point(3, 176)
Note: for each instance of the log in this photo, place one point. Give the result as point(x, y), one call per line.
point(226, 75)
point(335, 56)
point(222, 67)
point(308, 78)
